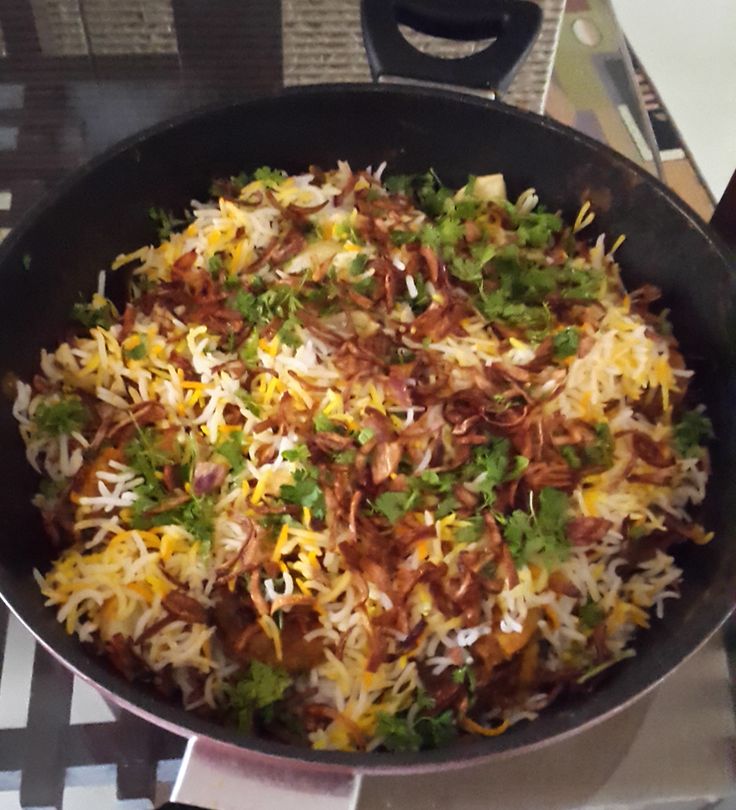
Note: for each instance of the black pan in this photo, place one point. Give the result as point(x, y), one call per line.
point(101, 211)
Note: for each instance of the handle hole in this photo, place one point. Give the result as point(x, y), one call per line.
point(443, 47)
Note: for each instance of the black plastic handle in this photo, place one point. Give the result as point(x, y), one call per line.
point(513, 23)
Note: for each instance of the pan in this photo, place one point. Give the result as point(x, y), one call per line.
point(100, 212)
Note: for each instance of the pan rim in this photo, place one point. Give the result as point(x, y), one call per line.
point(158, 711)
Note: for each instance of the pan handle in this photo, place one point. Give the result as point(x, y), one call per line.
point(513, 23)
point(220, 777)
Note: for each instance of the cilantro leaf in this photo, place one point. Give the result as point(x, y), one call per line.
point(60, 418)
point(269, 177)
point(691, 432)
point(426, 731)
point(300, 453)
point(426, 190)
point(323, 424)
point(279, 301)
point(541, 534)
point(437, 730)
point(139, 351)
point(232, 451)
point(288, 332)
point(165, 222)
point(365, 435)
point(249, 350)
point(466, 269)
point(465, 676)
point(214, 264)
point(536, 228)
point(397, 732)
point(591, 614)
point(229, 187)
point(394, 505)
point(570, 455)
point(565, 343)
point(247, 399)
point(492, 463)
point(472, 531)
point(90, 315)
point(345, 457)
point(447, 506)
point(305, 491)
point(600, 452)
point(403, 237)
point(252, 696)
point(196, 516)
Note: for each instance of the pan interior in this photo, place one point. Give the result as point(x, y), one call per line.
point(102, 211)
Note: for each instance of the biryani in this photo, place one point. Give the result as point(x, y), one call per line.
point(365, 464)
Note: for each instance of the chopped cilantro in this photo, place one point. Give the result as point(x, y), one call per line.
point(230, 187)
point(232, 451)
point(580, 285)
point(450, 230)
point(249, 350)
point(305, 491)
point(164, 221)
point(399, 184)
point(345, 232)
point(254, 696)
point(471, 531)
point(300, 453)
point(591, 614)
point(146, 457)
point(494, 306)
point(426, 190)
point(288, 332)
point(269, 177)
point(542, 533)
point(426, 731)
point(345, 457)
point(90, 315)
point(214, 264)
point(467, 209)
point(279, 301)
point(394, 505)
point(365, 435)
point(62, 417)
point(489, 468)
point(691, 432)
point(565, 343)
point(403, 237)
point(447, 506)
point(365, 286)
point(423, 299)
point(465, 676)
point(247, 399)
point(600, 452)
point(323, 424)
point(139, 351)
point(570, 455)
point(358, 264)
point(196, 516)
point(466, 269)
point(536, 228)
point(397, 732)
